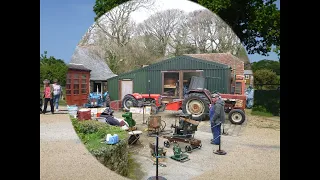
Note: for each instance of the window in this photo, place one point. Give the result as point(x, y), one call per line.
point(76, 86)
point(171, 84)
point(68, 84)
point(247, 76)
point(84, 85)
point(238, 88)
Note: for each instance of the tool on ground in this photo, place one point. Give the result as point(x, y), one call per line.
point(134, 137)
point(157, 177)
point(160, 164)
point(184, 132)
point(178, 155)
point(161, 151)
point(220, 151)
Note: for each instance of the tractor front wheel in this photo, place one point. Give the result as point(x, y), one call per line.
point(236, 116)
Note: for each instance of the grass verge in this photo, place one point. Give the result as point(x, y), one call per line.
point(93, 134)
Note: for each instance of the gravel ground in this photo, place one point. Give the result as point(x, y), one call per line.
point(253, 152)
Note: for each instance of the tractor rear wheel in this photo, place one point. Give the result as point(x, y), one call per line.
point(236, 116)
point(196, 104)
point(129, 101)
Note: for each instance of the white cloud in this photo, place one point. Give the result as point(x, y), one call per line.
point(161, 5)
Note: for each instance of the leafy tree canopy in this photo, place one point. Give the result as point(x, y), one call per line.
point(52, 68)
point(255, 22)
point(266, 64)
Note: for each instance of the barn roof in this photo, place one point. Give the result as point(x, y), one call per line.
point(100, 71)
point(223, 58)
point(77, 67)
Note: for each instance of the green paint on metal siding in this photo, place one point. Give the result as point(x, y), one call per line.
point(113, 88)
point(152, 72)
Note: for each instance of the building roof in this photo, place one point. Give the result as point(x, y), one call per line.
point(100, 71)
point(248, 72)
point(222, 58)
point(77, 67)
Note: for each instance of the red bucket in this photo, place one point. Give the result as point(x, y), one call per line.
point(84, 114)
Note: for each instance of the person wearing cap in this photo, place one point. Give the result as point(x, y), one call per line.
point(48, 92)
point(57, 94)
point(218, 118)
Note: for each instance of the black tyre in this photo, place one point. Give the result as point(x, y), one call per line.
point(196, 104)
point(166, 144)
point(162, 107)
point(188, 148)
point(236, 116)
point(129, 101)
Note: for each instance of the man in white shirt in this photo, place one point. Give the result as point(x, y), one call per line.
point(57, 94)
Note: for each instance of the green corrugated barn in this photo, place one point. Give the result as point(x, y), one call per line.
point(170, 78)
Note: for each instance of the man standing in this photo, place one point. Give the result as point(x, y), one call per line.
point(48, 91)
point(218, 118)
point(57, 93)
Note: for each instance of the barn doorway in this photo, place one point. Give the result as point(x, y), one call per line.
point(125, 87)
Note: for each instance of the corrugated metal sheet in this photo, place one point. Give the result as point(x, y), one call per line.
point(217, 75)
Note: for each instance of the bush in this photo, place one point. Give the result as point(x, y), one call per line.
point(93, 133)
point(267, 101)
point(265, 76)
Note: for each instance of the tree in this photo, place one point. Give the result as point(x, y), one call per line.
point(266, 64)
point(52, 68)
point(255, 22)
point(265, 78)
point(161, 26)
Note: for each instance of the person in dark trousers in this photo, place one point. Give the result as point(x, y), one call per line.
point(48, 96)
point(211, 113)
point(57, 94)
point(218, 118)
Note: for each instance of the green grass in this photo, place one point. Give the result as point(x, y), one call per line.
point(93, 133)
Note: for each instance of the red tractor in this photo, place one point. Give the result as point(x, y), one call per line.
point(198, 99)
point(137, 100)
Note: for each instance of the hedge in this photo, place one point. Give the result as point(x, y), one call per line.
point(267, 101)
point(92, 133)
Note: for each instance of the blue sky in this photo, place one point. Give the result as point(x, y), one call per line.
point(64, 22)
